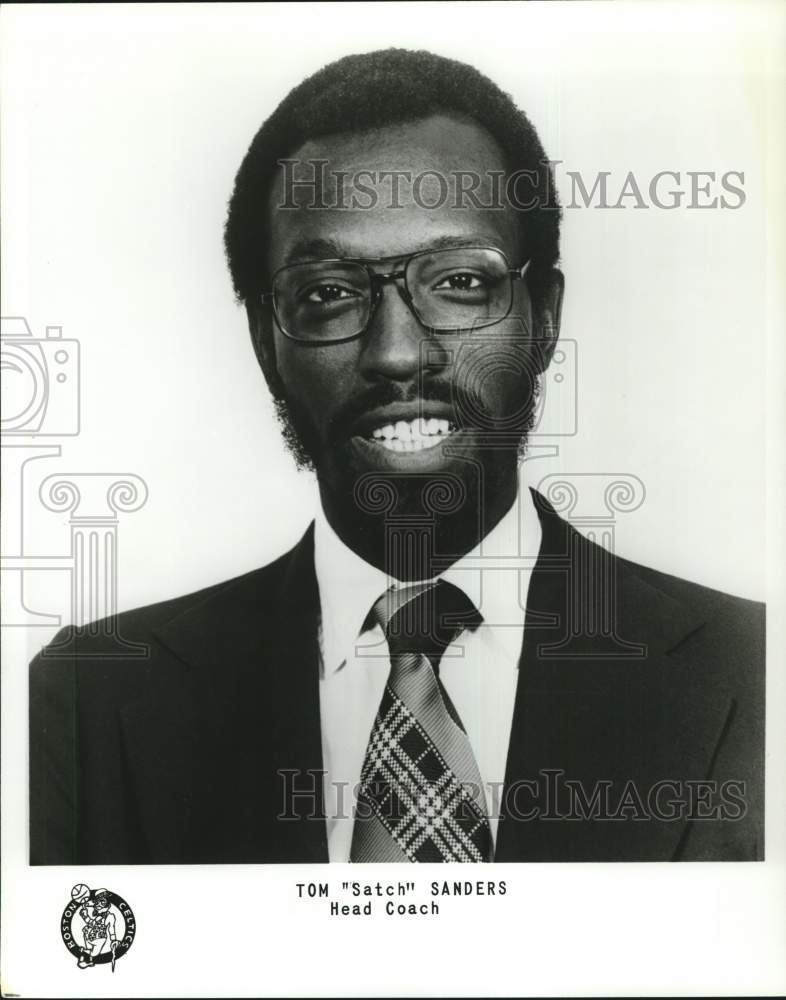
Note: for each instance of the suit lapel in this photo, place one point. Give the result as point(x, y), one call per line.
point(595, 704)
point(212, 745)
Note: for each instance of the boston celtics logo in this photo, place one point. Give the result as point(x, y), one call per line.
point(98, 926)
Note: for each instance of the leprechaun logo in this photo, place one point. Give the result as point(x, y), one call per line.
point(98, 926)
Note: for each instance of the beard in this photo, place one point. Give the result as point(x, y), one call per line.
point(294, 431)
point(302, 440)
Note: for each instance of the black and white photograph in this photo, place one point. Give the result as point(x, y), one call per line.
point(393, 474)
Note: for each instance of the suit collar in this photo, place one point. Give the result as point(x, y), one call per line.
point(578, 578)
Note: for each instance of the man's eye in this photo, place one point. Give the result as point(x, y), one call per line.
point(462, 281)
point(323, 294)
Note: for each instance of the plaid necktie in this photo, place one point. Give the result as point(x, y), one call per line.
point(420, 795)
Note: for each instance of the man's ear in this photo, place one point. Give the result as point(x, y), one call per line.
point(260, 326)
point(547, 322)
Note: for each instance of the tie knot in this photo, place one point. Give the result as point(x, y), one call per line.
point(424, 618)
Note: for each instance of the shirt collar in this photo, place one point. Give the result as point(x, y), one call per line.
point(348, 586)
point(494, 575)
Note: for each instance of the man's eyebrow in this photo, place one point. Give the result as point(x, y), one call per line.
point(314, 249)
point(450, 242)
point(319, 248)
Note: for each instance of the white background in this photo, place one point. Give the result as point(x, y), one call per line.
point(122, 130)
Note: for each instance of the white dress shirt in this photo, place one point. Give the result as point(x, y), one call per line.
point(479, 670)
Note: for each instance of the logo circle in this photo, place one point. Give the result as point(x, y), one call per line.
point(73, 921)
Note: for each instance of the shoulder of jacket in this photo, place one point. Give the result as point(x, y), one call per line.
point(137, 625)
point(705, 600)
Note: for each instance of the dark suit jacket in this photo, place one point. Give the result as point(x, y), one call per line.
point(628, 678)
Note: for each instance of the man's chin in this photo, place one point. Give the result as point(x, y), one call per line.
point(372, 479)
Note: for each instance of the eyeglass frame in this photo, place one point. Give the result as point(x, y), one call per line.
point(377, 281)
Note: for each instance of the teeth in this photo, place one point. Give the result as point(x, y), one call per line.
point(413, 435)
point(404, 431)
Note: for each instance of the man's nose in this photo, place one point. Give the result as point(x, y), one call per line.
point(395, 343)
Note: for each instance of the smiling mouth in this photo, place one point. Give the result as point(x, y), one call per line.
point(418, 434)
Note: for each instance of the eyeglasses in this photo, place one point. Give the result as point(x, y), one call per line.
point(332, 301)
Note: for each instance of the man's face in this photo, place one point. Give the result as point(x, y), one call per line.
point(349, 403)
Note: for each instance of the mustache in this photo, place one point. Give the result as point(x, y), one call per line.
point(388, 393)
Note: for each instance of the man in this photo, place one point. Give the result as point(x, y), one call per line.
point(442, 669)
point(99, 927)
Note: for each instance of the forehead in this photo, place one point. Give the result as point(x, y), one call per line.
point(391, 191)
